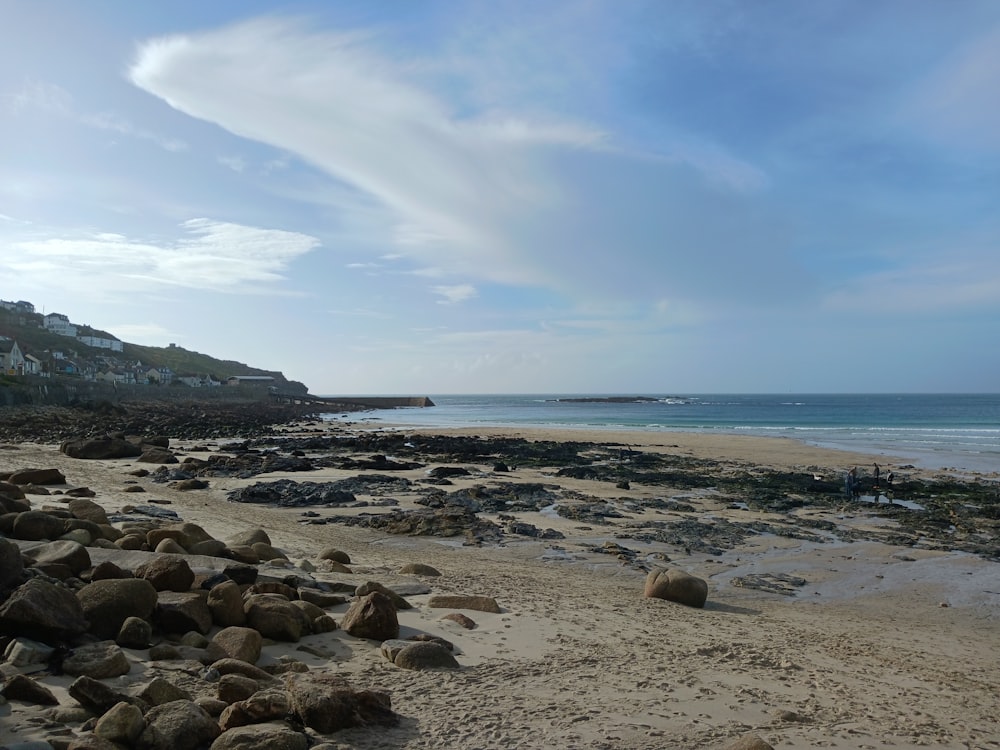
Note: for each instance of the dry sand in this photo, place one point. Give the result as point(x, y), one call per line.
point(882, 647)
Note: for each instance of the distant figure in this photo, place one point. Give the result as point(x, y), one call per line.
point(889, 478)
point(875, 485)
point(851, 483)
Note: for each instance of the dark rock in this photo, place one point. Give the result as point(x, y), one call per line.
point(327, 703)
point(43, 611)
point(37, 476)
point(182, 612)
point(426, 655)
point(11, 564)
point(108, 603)
point(167, 573)
point(372, 616)
point(275, 617)
point(36, 525)
point(71, 554)
point(97, 697)
point(178, 725)
point(22, 688)
point(261, 737)
point(98, 660)
point(100, 448)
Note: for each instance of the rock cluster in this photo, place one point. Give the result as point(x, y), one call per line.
point(87, 596)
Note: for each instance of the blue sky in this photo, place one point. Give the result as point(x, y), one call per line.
point(605, 196)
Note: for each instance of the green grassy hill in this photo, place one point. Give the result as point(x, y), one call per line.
point(33, 339)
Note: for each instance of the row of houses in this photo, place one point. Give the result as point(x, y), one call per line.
point(108, 369)
point(61, 325)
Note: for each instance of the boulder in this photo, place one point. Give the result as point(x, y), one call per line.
point(319, 597)
point(225, 601)
point(22, 688)
point(425, 655)
point(177, 725)
point(36, 525)
point(43, 611)
point(326, 703)
point(37, 476)
point(264, 705)
point(398, 601)
point(87, 510)
point(182, 611)
point(337, 555)
point(11, 564)
point(134, 633)
point(261, 737)
point(123, 723)
point(99, 698)
point(98, 660)
point(99, 448)
point(459, 601)
point(160, 691)
point(236, 687)
point(372, 616)
point(464, 620)
point(249, 538)
point(676, 585)
point(749, 742)
point(154, 454)
point(167, 573)
point(419, 569)
point(240, 643)
point(275, 617)
point(108, 603)
point(70, 554)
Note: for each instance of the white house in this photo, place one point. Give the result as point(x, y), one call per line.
point(58, 323)
point(100, 342)
point(11, 357)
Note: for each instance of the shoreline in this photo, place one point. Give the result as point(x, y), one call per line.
point(577, 657)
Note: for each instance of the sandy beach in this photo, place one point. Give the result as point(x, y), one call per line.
point(860, 643)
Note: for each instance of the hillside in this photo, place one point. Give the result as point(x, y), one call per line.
point(26, 329)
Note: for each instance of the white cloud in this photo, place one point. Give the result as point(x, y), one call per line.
point(209, 255)
point(236, 163)
point(454, 294)
point(53, 99)
point(515, 196)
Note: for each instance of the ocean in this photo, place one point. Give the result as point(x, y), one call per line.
point(934, 431)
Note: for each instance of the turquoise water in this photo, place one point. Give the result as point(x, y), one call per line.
point(960, 431)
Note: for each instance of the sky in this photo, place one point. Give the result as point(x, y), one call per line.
point(428, 197)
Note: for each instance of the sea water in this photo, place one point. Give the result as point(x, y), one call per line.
point(934, 431)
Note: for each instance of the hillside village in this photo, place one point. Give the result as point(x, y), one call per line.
point(89, 354)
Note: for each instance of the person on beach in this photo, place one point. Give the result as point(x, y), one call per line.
point(875, 483)
point(851, 483)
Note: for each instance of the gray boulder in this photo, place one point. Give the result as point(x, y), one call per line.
point(108, 603)
point(87, 510)
point(71, 555)
point(226, 604)
point(178, 725)
point(36, 525)
point(327, 703)
point(22, 688)
point(181, 612)
point(167, 573)
point(275, 617)
point(11, 565)
point(43, 611)
point(123, 723)
point(100, 448)
point(261, 737)
point(37, 476)
point(425, 655)
point(240, 643)
point(98, 660)
point(134, 633)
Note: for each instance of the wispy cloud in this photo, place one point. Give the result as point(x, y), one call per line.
point(209, 255)
point(452, 295)
point(55, 100)
point(512, 197)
